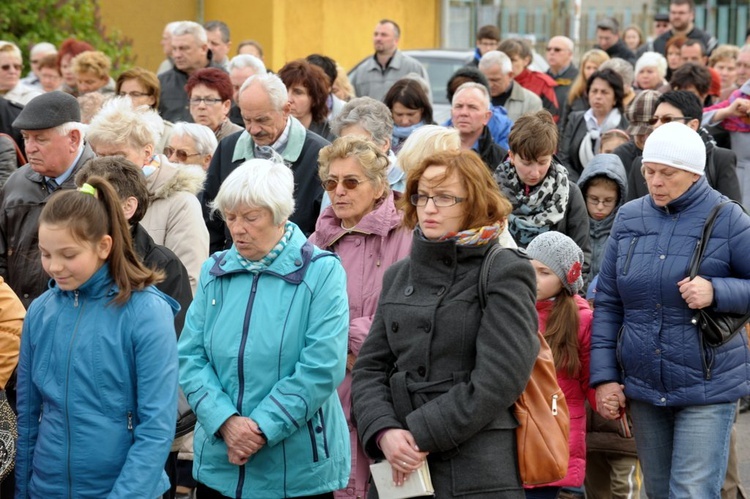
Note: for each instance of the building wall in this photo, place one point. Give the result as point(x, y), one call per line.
point(287, 29)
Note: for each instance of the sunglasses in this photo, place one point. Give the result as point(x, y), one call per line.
point(666, 119)
point(348, 183)
point(554, 49)
point(181, 155)
point(7, 67)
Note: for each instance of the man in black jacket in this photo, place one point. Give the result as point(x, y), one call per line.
point(682, 19)
point(470, 113)
point(721, 164)
point(189, 53)
point(55, 150)
point(608, 39)
point(268, 125)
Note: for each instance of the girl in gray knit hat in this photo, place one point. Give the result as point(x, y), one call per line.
point(565, 321)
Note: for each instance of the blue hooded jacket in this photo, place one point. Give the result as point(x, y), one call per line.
point(609, 166)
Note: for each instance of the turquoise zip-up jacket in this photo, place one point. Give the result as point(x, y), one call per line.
point(97, 393)
point(272, 347)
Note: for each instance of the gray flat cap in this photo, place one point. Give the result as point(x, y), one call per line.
point(48, 111)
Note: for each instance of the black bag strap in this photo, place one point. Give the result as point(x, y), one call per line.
point(708, 227)
point(484, 273)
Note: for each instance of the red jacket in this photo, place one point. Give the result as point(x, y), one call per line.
point(542, 85)
point(576, 390)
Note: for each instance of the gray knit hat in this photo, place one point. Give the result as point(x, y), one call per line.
point(562, 255)
point(48, 111)
point(676, 145)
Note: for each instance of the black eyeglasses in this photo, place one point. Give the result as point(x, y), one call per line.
point(349, 183)
point(6, 67)
point(439, 200)
point(181, 155)
point(134, 95)
point(554, 49)
point(667, 119)
point(205, 100)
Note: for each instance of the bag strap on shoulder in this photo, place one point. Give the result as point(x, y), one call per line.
point(708, 227)
point(484, 273)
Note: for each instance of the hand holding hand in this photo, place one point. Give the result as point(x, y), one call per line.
point(697, 293)
point(609, 399)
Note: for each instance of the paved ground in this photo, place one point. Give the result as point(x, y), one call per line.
point(743, 448)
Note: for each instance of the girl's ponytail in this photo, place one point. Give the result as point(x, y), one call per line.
point(92, 212)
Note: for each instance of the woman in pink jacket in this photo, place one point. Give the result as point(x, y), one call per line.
point(363, 227)
point(565, 321)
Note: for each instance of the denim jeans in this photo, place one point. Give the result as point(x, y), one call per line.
point(683, 450)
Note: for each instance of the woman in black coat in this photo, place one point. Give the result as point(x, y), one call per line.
point(437, 377)
point(580, 138)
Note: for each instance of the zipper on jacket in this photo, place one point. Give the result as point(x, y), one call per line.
point(323, 426)
point(130, 426)
point(67, 399)
point(41, 412)
point(75, 298)
point(313, 444)
point(241, 369)
point(554, 405)
point(631, 250)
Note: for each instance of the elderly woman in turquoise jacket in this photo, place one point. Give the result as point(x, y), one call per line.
point(263, 350)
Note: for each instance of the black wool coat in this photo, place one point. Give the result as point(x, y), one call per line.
point(436, 365)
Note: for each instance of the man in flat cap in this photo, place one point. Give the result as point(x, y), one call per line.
point(53, 135)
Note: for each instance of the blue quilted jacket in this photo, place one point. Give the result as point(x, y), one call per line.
point(642, 334)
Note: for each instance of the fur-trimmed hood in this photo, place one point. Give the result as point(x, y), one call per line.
point(169, 179)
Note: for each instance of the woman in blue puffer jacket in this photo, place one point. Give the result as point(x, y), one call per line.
point(682, 393)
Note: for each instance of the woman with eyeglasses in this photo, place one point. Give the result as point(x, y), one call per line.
point(437, 376)
point(580, 139)
point(144, 89)
point(11, 65)
point(543, 196)
point(363, 227)
point(191, 144)
point(174, 218)
point(210, 96)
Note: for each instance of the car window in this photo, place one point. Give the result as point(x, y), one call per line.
point(440, 71)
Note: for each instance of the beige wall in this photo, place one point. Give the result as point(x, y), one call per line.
point(287, 29)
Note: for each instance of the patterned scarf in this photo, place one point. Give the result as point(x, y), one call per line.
point(474, 237)
point(257, 266)
point(538, 209)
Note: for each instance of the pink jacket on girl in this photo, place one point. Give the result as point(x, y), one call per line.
point(576, 391)
point(378, 241)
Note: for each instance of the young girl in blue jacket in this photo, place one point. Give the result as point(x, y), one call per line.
point(97, 379)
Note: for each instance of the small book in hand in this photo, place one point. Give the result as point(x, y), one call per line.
point(419, 483)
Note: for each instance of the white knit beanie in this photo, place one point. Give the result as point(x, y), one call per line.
point(562, 255)
point(676, 145)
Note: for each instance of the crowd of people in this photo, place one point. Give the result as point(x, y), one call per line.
point(295, 255)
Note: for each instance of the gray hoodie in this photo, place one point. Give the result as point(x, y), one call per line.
point(610, 166)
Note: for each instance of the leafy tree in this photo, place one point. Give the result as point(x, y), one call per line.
point(26, 22)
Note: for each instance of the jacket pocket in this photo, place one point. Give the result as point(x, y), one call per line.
point(316, 428)
point(629, 257)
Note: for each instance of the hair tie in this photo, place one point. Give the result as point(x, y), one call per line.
point(88, 189)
